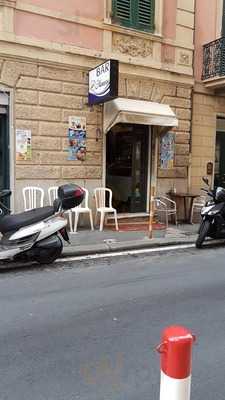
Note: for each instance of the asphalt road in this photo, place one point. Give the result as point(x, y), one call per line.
point(88, 331)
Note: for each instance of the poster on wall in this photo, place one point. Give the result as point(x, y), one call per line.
point(167, 150)
point(23, 145)
point(77, 138)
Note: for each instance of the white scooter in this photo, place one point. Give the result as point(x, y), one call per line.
point(35, 235)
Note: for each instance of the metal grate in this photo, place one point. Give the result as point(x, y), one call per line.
point(214, 59)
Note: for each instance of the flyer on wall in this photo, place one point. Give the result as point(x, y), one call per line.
point(77, 138)
point(167, 150)
point(23, 145)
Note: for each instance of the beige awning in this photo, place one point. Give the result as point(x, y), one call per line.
point(130, 111)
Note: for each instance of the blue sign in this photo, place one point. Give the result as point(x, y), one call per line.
point(103, 82)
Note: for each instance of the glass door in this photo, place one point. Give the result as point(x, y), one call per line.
point(139, 170)
point(4, 150)
point(127, 167)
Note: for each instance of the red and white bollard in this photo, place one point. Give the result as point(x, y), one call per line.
point(176, 363)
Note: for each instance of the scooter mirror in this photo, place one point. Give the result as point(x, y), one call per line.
point(205, 179)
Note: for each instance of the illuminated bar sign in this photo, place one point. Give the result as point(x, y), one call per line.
point(103, 82)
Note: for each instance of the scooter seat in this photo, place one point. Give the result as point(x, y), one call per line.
point(10, 223)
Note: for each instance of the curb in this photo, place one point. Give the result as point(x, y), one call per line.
point(115, 247)
point(107, 249)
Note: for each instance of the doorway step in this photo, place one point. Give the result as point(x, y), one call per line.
point(129, 221)
point(133, 222)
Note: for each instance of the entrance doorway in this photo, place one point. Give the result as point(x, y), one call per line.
point(4, 144)
point(219, 177)
point(127, 149)
point(219, 169)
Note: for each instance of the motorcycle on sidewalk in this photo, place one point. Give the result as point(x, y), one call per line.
point(213, 215)
point(36, 235)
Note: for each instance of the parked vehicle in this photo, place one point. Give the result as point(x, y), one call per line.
point(213, 215)
point(35, 235)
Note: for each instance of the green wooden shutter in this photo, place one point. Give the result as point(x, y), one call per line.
point(138, 14)
point(145, 15)
point(122, 12)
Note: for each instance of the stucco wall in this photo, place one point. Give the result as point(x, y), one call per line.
point(79, 8)
point(206, 27)
point(78, 27)
point(56, 30)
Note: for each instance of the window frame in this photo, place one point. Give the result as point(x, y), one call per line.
point(133, 22)
point(223, 20)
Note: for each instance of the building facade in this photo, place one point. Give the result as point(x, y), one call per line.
point(47, 49)
point(208, 127)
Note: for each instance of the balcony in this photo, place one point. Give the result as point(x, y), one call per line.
point(213, 73)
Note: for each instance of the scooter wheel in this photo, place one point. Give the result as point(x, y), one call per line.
point(48, 255)
point(45, 258)
point(203, 230)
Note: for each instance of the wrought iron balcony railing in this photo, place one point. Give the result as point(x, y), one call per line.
point(214, 59)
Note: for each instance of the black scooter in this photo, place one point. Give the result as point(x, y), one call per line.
point(213, 215)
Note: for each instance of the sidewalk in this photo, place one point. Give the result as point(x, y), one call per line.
point(86, 242)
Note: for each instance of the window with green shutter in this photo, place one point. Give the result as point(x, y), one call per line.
point(138, 14)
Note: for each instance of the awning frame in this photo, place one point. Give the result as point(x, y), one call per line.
point(123, 110)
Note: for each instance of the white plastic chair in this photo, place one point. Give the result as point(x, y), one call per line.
point(83, 208)
point(33, 197)
point(101, 206)
point(52, 195)
point(166, 205)
point(197, 205)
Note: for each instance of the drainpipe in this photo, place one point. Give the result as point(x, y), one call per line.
point(192, 98)
point(190, 144)
point(153, 184)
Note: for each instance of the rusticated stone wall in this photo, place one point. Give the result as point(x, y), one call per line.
point(179, 98)
point(206, 108)
point(45, 96)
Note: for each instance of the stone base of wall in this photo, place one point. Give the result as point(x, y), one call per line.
point(45, 97)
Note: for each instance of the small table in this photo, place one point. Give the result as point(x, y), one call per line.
point(185, 197)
